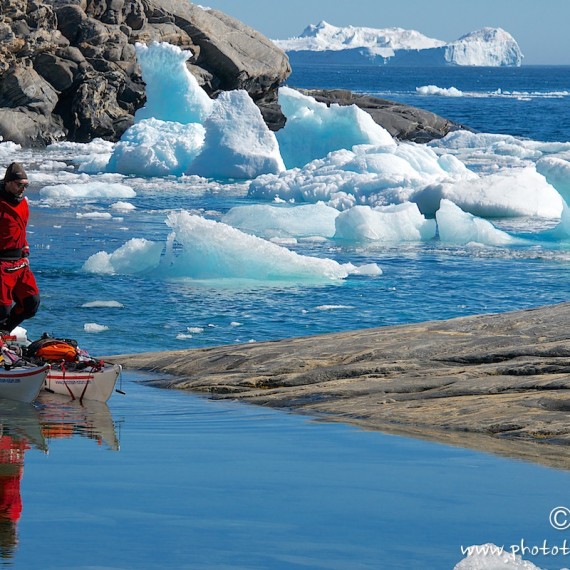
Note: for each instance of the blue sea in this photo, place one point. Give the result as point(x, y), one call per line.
point(179, 481)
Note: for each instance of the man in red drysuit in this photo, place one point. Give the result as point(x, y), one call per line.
point(19, 293)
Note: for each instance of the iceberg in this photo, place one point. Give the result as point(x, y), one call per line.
point(172, 92)
point(459, 227)
point(366, 175)
point(324, 43)
point(182, 131)
point(313, 130)
point(403, 222)
point(138, 255)
point(238, 143)
point(203, 249)
point(214, 250)
point(284, 221)
point(492, 557)
point(505, 194)
point(557, 173)
point(84, 190)
point(154, 147)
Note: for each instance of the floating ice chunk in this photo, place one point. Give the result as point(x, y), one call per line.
point(157, 148)
point(459, 227)
point(87, 190)
point(313, 130)
point(510, 193)
point(238, 143)
point(172, 92)
point(123, 206)
point(368, 269)
point(435, 90)
point(94, 328)
point(102, 305)
point(94, 164)
point(492, 557)
point(284, 221)
point(402, 222)
point(487, 152)
point(91, 157)
point(8, 149)
point(465, 139)
point(373, 175)
point(94, 215)
point(213, 250)
point(138, 255)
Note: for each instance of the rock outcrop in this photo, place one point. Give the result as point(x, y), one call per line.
point(68, 67)
point(495, 382)
point(403, 122)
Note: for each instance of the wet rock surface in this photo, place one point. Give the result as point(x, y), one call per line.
point(498, 383)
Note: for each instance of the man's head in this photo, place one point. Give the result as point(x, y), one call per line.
point(16, 180)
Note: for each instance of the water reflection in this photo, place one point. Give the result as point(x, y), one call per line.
point(26, 426)
point(62, 417)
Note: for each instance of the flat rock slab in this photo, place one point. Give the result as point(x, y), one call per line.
point(498, 383)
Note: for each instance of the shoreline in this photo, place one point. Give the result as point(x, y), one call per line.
point(497, 383)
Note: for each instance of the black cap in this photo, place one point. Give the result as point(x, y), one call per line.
point(15, 172)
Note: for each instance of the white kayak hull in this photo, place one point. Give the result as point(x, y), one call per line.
point(22, 383)
point(85, 384)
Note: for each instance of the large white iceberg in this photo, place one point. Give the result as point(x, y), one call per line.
point(488, 47)
point(214, 250)
point(326, 37)
point(324, 43)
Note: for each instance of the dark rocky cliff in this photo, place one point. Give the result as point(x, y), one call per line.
point(68, 68)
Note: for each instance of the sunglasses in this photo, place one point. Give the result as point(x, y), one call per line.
point(22, 185)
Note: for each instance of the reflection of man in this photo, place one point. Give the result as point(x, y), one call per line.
point(11, 468)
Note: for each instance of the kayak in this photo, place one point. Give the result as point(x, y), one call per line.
point(90, 383)
point(22, 383)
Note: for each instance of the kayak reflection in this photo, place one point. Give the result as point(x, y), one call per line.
point(62, 417)
point(26, 426)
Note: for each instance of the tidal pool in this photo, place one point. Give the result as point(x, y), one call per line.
point(166, 479)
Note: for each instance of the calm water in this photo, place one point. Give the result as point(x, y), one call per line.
point(194, 483)
point(201, 484)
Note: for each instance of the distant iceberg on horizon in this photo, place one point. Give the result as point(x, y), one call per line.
point(325, 43)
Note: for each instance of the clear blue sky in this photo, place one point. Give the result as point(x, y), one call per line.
point(541, 27)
